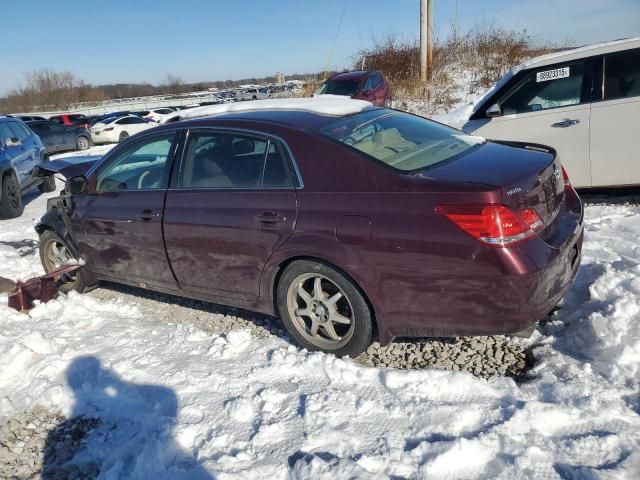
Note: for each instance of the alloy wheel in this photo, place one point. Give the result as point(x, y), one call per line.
point(83, 143)
point(321, 311)
point(56, 255)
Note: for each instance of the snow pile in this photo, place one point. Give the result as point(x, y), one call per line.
point(323, 104)
point(176, 402)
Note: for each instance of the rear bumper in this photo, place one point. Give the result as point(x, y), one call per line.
point(501, 291)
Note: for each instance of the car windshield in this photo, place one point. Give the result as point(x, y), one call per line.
point(339, 87)
point(399, 140)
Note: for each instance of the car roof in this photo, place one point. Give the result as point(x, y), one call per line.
point(298, 113)
point(581, 52)
point(354, 75)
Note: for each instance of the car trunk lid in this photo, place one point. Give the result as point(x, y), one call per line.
point(528, 177)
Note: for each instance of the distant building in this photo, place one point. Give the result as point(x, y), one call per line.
point(280, 78)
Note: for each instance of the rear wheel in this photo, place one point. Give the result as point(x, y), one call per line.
point(54, 253)
point(82, 143)
point(324, 310)
point(11, 202)
point(123, 136)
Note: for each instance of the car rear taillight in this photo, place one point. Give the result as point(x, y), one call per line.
point(494, 224)
point(565, 177)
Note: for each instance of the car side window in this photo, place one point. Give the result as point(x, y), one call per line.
point(227, 160)
point(5, 133)
point(18, 131)
point(368, 84)
point(139, 167)
point(545, 88)
point(622, 75)
point(56, 127)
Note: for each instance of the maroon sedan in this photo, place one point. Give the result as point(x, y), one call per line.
point(345, 226)
point(366, 85)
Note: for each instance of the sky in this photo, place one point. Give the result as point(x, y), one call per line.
point(204, 40)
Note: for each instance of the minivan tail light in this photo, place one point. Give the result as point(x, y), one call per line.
point(494, 224)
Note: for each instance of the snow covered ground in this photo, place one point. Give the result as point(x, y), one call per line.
point(177, 402)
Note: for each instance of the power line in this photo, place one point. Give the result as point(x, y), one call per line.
point(335, 39)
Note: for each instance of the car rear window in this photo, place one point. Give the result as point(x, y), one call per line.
point(402, 141)
point(339, 87)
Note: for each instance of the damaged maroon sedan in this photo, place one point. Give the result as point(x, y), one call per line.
point(346, 226)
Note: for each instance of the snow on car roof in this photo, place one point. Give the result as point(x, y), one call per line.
point(334, 105)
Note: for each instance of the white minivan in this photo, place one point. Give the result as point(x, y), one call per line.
point(585, 103)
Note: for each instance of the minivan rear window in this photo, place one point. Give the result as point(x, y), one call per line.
point(402, 141)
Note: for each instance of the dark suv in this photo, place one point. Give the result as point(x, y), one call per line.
point(58, 138)
point(362, 84)
point(20, 151)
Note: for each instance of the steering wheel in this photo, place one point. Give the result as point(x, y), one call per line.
point(142, 177)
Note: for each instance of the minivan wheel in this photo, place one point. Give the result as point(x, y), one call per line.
point(11, 203)
point(123, 136)
point(54, 253)
point(82, 143)
point(323, 310)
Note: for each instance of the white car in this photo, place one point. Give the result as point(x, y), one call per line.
point(585, 103)
point(117, 129)
point(156, 114)
point(254, 94)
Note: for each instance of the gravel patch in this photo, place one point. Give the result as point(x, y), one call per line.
point(41, 444)
point(481, 356)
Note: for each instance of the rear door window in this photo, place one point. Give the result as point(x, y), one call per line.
point(622, 75)
point(230, 160)
point(545, 88)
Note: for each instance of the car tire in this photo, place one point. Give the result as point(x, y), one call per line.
point(11, 205)
point(254, 98)
point(82, 143)
point(48, 184)
point(316, 317)
point(50, 261)
point(123, 136)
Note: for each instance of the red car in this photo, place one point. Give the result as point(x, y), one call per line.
point(345, 226)
point(362, 85)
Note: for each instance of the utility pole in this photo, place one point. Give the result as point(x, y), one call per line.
point(426, 39)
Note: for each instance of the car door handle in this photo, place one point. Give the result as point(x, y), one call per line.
point(147, 215)
point(565, 123)
point(270, 218)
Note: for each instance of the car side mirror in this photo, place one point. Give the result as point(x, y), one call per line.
point(75, 185)
point(494, 110)
point(13, 142)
